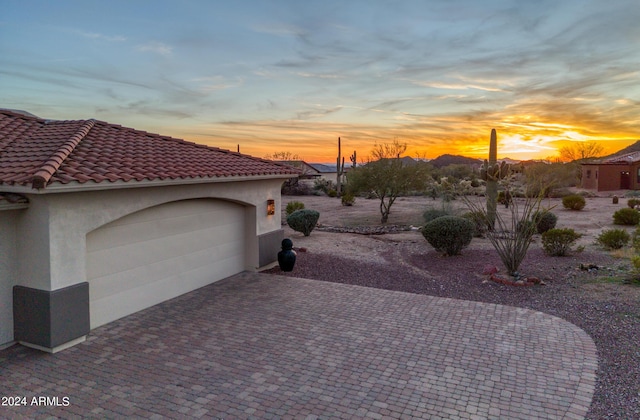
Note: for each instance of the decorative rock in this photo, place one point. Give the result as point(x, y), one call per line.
point(534, 280)
point(490, 269)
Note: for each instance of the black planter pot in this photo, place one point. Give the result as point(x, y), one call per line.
point(287, 257)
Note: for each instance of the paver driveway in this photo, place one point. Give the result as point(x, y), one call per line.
point(263, 346)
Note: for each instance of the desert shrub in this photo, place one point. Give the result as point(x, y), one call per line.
point(504, 197)
point(573, 202)
point(544, 220)
point(635, 265)
point(635, 239)
point(293, 206)
point(613, 238)
point(479, 222)
point(626, 216)
point(332, 193)
point(303, 221)
point(524, 226)
point(432, 214)
point(633, 202)
point(558, 242)
point(449, 234)
point(348, 199)
point(323, 185)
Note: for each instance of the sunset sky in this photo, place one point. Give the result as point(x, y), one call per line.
point(292, 76)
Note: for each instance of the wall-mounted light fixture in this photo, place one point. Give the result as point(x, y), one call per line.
point(271, 207)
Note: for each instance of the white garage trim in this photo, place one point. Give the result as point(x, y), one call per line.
point(162, 252)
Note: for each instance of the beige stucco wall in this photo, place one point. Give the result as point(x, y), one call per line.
point(54, 228)
point(8, 269)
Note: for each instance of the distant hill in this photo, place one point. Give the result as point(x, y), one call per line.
point(445, 160)
point(635, 147)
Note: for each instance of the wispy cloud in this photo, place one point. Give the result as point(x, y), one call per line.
point(95, 35)
point(156, 47)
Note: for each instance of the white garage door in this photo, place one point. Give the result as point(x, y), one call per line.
point(162, 252)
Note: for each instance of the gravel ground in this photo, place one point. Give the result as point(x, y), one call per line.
point(608, 312)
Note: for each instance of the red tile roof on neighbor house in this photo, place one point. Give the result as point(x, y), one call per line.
point(37, 152)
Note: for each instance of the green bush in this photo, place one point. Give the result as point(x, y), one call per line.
point(635, 239)
point(558, 242)
point(293, 206)
point(449, 234)
point(635, 263)
point(332, 193)
point(504, 198)
point(348, 199)
point(432, 214)
point(544, 220)
point(303, 221)
point(479, 221)
point(626, 216)
point(573, 202)
point(613, 238)
point(633, 202)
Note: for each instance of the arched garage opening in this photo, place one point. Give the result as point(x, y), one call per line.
point(161, 252)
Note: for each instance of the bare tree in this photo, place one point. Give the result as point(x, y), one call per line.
point(282, 156)
point(581, 151)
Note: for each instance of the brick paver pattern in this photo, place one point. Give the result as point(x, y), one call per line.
point(263, 346)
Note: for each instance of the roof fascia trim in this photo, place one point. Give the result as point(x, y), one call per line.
point(106, 185)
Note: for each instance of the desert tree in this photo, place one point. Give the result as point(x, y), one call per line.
point(386, 176)
point(581, 151)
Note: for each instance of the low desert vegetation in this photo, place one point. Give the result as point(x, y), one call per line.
point(545, 220)
point(626, 216)
point(449, 234)
point(293, 206)
point(633, 203)
point(348, 199)
point(613, 238)
point(432, 214)
point(573, 202)
point(558, 242)
point(303, 221)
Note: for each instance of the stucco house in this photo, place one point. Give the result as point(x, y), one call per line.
point(329, 172)
point(615, 173)
point(99, 221)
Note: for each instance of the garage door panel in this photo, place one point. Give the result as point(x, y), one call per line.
point(214, 257)
point(118, 235)
point(141, 253)
point(160, 253)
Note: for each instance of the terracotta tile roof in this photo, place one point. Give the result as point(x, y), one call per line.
point(37, 152)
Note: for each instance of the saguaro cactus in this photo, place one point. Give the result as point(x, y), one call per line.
point(353, 159)
point(490, 172)
point(339, 169)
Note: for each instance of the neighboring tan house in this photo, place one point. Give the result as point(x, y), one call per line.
point(330, 172)
point(615, 173)
point(99, 221)
point(307, 175)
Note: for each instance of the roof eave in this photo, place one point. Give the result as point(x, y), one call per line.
point(74, 186)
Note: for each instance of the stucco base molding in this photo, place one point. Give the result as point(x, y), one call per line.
point(55, 349)
point(51, 320)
